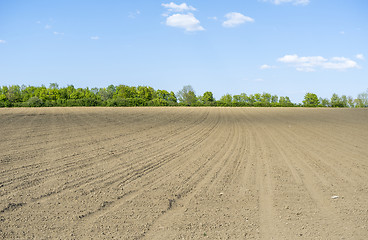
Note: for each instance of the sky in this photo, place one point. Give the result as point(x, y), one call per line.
point(283, 47)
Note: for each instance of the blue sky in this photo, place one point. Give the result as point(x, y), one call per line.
point(284, 47)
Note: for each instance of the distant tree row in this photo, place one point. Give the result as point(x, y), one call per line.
point(188, 97)
point(311, 100)
point(123, 95)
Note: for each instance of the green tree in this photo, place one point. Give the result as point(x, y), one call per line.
point(362, 99)
point(146, 93)
point(161, 99)
point(162, 94)
point(164, 98)
point(351, 102)
point(245, 100)
point(237, 100)
point(124, 91)
point(28, 92)
point(172, 99)
point(266, 99)
point(53, 93)
point(257, 97)
point(336, 101)
point(274, 99)
point(252, 99)
point(13, 94)
point(324, 102)
point(89, 94)
point(226, 100)
point(187, 96)
point(285, 102)
point(65, 93)
point(208, 97)
point(54, 86)
point(310, 100)
point(107, 93)
point(77, 94)
point(3, 92)
point(34, 102)
point(41, 93)
point(257, 100)
point(344, 101)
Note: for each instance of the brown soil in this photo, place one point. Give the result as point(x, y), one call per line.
point(184, 173)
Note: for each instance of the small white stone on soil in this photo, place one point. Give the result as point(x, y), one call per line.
point(335, 197)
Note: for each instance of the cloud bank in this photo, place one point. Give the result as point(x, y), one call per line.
point(310, 64)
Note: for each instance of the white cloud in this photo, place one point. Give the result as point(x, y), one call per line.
point(172, 7)
point(234, 19)
point(58, 33)
point(95, 38)
point(212, 18)
point(360, 56)
point(295, 2)
point(259, 80)
point(47, 26)
point(38, 22)
point(265, 66)
point(309, 64)
point(342, 32)
point(186, 21)
point(340, 63)
point(2, 41)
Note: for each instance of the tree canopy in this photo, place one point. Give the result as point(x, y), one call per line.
point(310, 100)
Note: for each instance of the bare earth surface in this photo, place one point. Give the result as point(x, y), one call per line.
point(183, 173)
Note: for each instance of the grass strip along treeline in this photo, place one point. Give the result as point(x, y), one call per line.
point(122, 95)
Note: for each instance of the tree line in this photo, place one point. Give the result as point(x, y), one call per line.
point(123, 95)
point(311, 100)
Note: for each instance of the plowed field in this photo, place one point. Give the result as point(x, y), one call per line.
point(184, 173)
